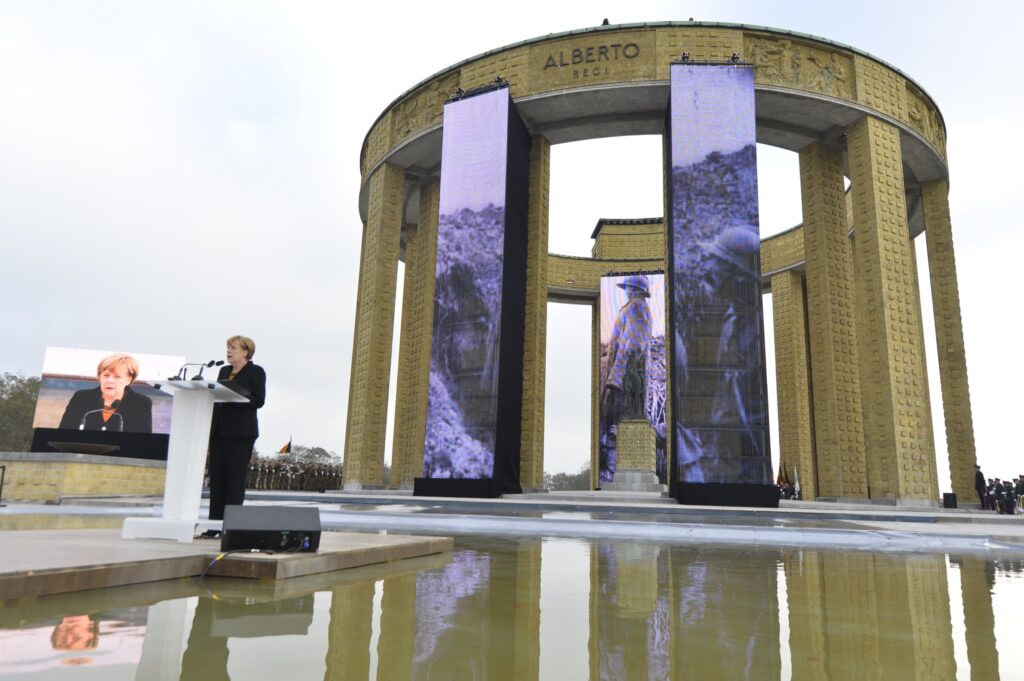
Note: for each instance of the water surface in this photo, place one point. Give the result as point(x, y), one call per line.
point(524, 608)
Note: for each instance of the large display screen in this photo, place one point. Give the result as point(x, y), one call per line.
point(632, 379)
point(474, 402)
point(102, 397)
point(719, 388)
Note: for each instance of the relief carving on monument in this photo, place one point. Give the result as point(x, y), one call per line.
point(424, 107)
point(925, 118)
point(780, 61)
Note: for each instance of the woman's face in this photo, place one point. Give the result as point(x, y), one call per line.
point(113, 381)
point(236, 353)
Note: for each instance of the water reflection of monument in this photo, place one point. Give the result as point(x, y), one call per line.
point(655, 612)
point(862, 616)
point(476, 617)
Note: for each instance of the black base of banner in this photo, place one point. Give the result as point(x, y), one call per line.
point(484, 488)
point(727, 494)
point(151, 446)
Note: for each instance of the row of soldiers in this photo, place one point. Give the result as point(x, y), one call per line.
point(1001, 496)
point(270, 474)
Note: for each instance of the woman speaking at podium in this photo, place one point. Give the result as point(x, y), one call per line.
point(235, 428)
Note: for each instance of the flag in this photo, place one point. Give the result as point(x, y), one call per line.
point(287, 448)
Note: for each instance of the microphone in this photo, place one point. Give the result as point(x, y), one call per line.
point(180, 376)
point(113, 406)
point(211, 363)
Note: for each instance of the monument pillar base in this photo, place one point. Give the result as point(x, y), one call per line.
point(635, 469)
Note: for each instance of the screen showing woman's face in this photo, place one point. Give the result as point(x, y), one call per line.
point(113, 381)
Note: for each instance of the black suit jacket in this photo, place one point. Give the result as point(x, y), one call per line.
point(135, 409)
point(238, 420)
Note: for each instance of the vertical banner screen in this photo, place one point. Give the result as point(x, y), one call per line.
point(632, 363)
point(719, 389)
point(474, 402)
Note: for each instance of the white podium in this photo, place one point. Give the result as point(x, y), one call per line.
point(191, 414)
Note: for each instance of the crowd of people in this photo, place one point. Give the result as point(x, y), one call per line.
point(1001, 496)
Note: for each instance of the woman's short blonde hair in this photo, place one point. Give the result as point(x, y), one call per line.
point(248, 344)
point(127, 362)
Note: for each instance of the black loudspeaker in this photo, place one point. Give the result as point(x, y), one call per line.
point(948, 500)
point(273, 529)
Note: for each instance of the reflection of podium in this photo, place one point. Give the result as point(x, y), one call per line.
point(186, 460)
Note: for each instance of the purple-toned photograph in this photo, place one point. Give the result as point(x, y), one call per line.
point(463, 397)
point(441, 600)
point(720, 412)
point(632, 357)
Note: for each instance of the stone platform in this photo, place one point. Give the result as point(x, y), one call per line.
point(35, 563)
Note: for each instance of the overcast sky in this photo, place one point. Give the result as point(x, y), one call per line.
point(175, 173)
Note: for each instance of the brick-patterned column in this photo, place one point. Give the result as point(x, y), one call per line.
point(929, 426)
point(531, 461)
point(805, 597)
point(397, 628)
point(595, 394)
point(414, 345)
point(349, 632)
point(375, 317)
point(931, 628)
point(898, 442)
point(949, 337)
point(796, 432)
point(977, 577)
point(831, 312)
point(851, 616)
point(526, 618)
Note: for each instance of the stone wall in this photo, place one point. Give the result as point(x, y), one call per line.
point(41, 476)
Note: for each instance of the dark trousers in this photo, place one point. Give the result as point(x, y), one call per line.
point(229, 466)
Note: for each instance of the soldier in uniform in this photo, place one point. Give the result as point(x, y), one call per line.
point(723, 436)
point(625, 389)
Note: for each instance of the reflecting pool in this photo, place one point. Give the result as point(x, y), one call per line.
point(523, 608)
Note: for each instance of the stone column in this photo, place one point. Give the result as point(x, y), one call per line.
point(414, 346)
point(375, 316)
point(595, 395)
point(526, 618)
point(850, 598)
point(796, 428)
point(898, 441)
point(977, 577)
point(397, 627)
point(929, 425)
point(831, 312)
point(928, 605)
point(349, 632)
point(949, 337)
point(808, 637)
point(531, 455)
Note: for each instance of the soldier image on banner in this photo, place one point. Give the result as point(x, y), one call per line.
point(633, 363)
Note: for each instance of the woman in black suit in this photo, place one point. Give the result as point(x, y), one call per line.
point(112, 405)
point(235, 428)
